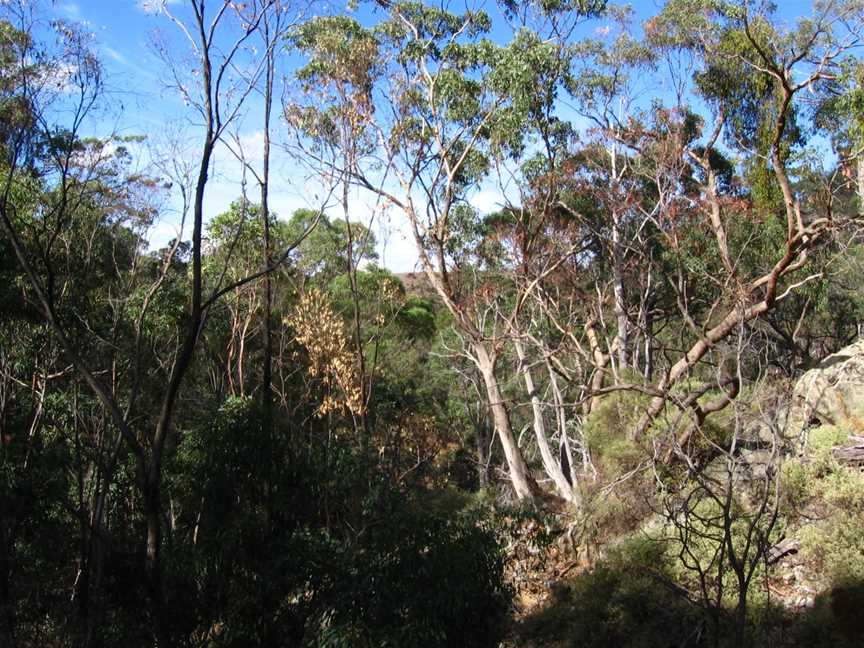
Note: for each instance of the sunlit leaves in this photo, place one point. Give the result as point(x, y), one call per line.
point(840, 107)
point(340, 52)
point(325, 252)
point(321, 332)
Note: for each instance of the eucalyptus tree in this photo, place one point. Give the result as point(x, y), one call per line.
point(273, 27)
point(64, 199)
point(233, 244)
point(839, 113)
point(324, 254)
point(436, 105)
point(611, 76)
point(276, 18)
point(344, 61)
point(753, 73)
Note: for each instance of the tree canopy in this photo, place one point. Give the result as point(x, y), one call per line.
point(259, 431)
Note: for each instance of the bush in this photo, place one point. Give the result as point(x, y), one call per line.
point(416, 580)
point(826, 437)
point(607, 431)
point(831, 540)
point(797, 486)
point(626, 601)
point(837, 546)
point(835, 542)
point(320, 548)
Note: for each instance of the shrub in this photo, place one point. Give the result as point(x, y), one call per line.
point(837, 546)
point(412, 579)
point(836, 542)
point(321, 548)
point(826, 437)
point(607, 431)
point(626, 601)
point(797, 487)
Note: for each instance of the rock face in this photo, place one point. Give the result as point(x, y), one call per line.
point(832, 393)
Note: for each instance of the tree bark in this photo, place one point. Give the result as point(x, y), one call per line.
point(599, 360)
point(520, 476)
point(551, 466)
point(566, 451)
point(483, 434)
point(860, 183)
point(620, 307)
point(266, 332)
point(153, 561)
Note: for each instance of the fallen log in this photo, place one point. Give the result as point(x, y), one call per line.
point(783, 548)
point(850, 455)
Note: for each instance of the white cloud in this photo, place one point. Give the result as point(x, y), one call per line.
point(393, 237)
point(396, 249)
point(70, 9)
point(291, 189)
point(60, 76)
point(155, 6)
point(94, 155)
point(252, 145)
point(161, 233)
point(395, 244)
point(114, 54)
point(487, 200)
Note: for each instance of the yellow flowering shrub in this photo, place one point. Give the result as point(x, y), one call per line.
point(321, 332)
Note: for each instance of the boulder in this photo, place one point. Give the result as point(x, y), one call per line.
point(758, 432)
point(831, 393)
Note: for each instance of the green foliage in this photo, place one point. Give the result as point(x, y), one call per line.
point(347, 559)
point(587, 8)
point(837, 546)
point(833, 494)
point(608, 431)
point(825, 501)
point(826, 437)
point(625, 601)
point(701, 539)
point(728, 76)
point(374, 286)
point(833, 621)
point(517, 524)
point(342, 52)
point(418, 580)
point(796, 480)
point(363, 530)
point(840, 111)
point(828, 310)
point(325, 252)
point(417, 318)
point(528, 72)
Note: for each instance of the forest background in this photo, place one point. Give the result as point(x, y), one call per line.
point(337, 326)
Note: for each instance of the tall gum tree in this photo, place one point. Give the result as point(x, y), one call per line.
point(444, 104)
point(752, 73)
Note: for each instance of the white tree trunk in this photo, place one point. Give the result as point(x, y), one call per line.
point(550, 464)
point(860, 184)
point(620, 306)
point(523, 482)
point(561, 418)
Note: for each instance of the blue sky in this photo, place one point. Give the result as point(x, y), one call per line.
point(142, 104)
point(123, 31)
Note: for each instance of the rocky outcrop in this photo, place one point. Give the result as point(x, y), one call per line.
point(832, 393)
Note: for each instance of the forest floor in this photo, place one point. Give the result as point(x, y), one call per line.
point(539, 581)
